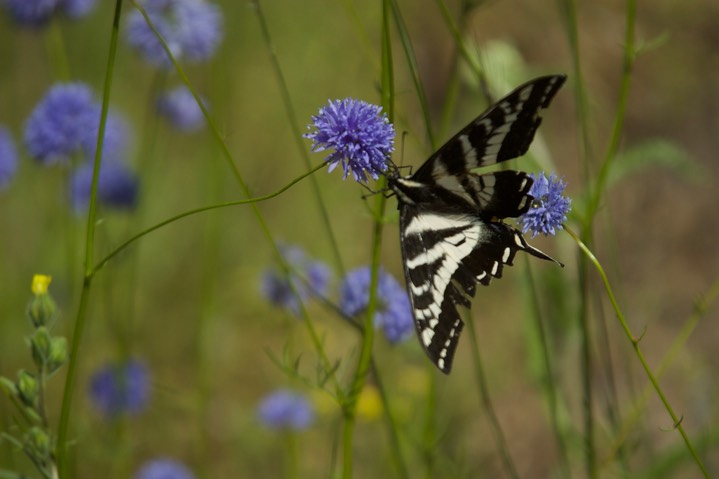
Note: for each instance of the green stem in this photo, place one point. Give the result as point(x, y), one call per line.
point(89, 253)
point(308, 322)
point(496, 427)
point(677, 421)
point(297, 134)
point(195, 211)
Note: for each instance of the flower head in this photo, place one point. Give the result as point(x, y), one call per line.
point(393, 315)
point(31, 12)
point(179, 107)
point(120, 388)
point(550, 207)
point(8, 158)
point(360, 135)
point(117, 186)
point(192, 30)
point(116, 134)
point(308, 277)
point(164, 469)
point(40, 283)
point(58, 124)
point(35, 13)
point(285, 409)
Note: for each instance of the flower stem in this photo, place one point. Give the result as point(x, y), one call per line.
point(80, 320)
point(677, 421)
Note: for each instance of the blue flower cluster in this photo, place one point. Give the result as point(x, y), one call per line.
point(122, 388)
point(394, 313)
point(36, 13)
point(180, 109)
point(164, 469)
point(8, 158)
point(308, 278)
point(287, 410)
point(550, 207)
point(192, 30)
point(360, 135)
point(66, 123)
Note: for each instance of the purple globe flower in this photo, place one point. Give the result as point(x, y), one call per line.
point(116, 134)
point(192, 30)
point(31, 13)
point(309, 278)
point(550, 207)
point(360, 135)
point(393, 314)
point(8, 158)
point(285, 409)
point(179, 107)
point(164, 469)
point(58, 124)
point(121, 388)
point(77, 8)
point(117, 186)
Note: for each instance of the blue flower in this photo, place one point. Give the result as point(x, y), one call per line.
point(393, 314)
point(192, 30)
point(115, 141)
point(164, 469)
point(120, 388)
point(285, 409)
point(181, 109)
point(77, 8)
point(8, 158)
point(117, 186)
point(308, 278)
point(360, 135)
point(550, 207)
point(31, 12)
point(58, 124)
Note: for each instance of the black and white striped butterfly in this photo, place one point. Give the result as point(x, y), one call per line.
point(451, 230)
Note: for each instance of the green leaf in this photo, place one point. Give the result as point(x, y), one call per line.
point(654, 153)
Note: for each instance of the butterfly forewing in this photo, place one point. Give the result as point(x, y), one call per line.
point(451, 232)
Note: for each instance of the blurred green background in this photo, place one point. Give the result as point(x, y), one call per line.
point(657, 237)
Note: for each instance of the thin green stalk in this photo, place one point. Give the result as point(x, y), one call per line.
point(496, 427)
point(550, 385)
point(391, 423)
point(297, 134)
point(195, 211)
point(365, 359)
point(414, 70)
point(700, 310)
point(61, 447)
point(308, 322)
point(677, 421)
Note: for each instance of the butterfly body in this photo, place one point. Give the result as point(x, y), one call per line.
point(451, 230)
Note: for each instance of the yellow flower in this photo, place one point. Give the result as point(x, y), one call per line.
point(40, 282)
point(369, 403)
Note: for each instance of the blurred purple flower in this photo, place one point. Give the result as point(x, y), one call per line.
point(285, 409)
point(309, 277)
point(164, 469)
point(550, 207)
point(179, 107)
point(192, 30)
point(360, 134)
point(77, 8)
point(8, 158)
point(116, 133)
point(58, 124)
point(121, 388)
point(393, 314)
point(30, 12)
point(35, 13)
point(117, 186)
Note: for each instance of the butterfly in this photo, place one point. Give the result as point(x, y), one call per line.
point(451, 231)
